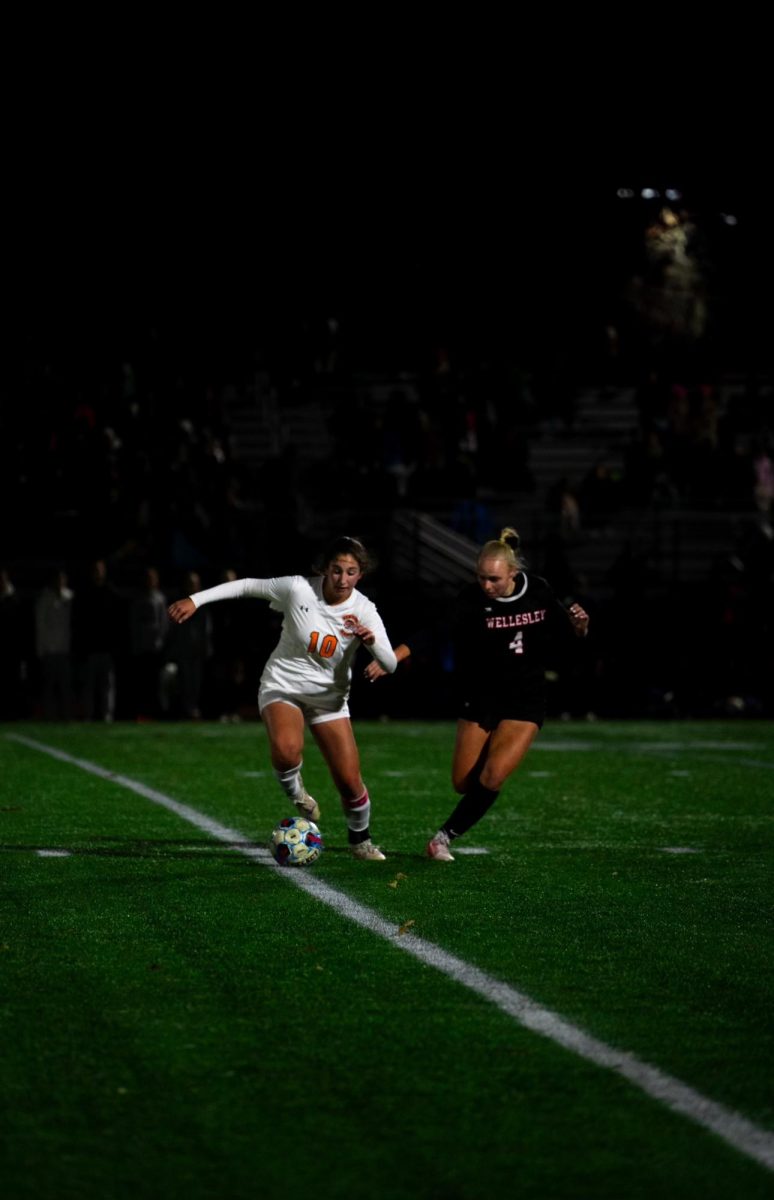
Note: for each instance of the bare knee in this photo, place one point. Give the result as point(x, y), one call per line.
point(491, 778)
point(286, 754)
point(461, 781)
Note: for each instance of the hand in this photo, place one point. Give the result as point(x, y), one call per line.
point(366, 635)
point(181, 610)
point(579, 619)
point(373, 671)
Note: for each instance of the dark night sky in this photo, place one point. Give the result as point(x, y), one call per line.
point(395, 257)
point(446, 215)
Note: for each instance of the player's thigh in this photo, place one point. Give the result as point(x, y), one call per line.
point(510, 742)
point(338, 747)
point(285, 727)
point(470, 749)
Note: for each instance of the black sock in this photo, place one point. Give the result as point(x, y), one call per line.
point(474, 804)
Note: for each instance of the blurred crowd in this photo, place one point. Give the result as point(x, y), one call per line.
point(102, 651)
point(125, 479)
point(127, 491)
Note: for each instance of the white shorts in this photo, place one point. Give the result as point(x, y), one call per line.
point(325, 709)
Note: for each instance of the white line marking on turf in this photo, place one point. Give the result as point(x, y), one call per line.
point(678, 850)
point(221, 832)
point(470, 850)
point(754, 1141)
point(757, 762)
point(53, 853)
point(637, 747)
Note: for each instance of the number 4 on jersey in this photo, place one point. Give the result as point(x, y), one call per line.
point(516, 645)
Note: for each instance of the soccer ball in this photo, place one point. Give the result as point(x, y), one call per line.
point(296, 842)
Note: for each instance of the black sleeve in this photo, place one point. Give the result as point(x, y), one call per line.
point(560, 625)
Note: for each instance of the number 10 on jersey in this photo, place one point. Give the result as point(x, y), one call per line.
point(327, 646)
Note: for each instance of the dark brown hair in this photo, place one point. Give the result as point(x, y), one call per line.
point(345, 545)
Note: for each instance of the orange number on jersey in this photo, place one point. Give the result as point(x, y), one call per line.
point(327, 646)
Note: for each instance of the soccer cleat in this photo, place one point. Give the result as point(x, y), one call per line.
point(307, 807)
point(438, 848)
point(367, 852)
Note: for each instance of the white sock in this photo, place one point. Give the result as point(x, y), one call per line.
point(291, 782)
point(357, 812)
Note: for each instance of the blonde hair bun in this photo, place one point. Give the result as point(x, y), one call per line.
point(506, 547)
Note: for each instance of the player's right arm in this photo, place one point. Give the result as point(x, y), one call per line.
point(181, 610)
point(261, 589)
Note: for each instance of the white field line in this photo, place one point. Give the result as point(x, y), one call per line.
point(718, 750)
point(757, 762)
point(754, 1141)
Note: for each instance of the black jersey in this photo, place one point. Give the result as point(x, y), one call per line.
point(500, 644)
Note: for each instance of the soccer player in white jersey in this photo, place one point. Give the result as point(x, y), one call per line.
point(307, 677)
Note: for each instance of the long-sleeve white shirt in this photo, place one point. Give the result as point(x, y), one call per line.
point(53, 621)
point(316, 647)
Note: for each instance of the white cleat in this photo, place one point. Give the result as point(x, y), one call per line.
point(438, 848)
point(308, 807)
point(367, 852)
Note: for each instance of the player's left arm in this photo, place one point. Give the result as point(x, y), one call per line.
point(374, 638)
point(579, 619)
point(561, 612)
point(373, 671)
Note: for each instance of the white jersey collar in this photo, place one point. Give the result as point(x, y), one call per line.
point(517, 595)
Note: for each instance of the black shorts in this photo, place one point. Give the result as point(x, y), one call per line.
point(488, 712)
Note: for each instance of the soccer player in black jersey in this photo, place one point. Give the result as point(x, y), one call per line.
point(501, 626)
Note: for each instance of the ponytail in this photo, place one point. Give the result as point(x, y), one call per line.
point(505, 547)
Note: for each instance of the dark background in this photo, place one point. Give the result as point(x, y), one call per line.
point(198, 263)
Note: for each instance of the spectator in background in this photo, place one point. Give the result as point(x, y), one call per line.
point(736, 474)
point(97, 613)
point(53, 645)
point(652, 397)
point(471, 516)
point(148, 628)
point(562, 504)
point(599, 497)
point(13, 664)
point(401, 440)
point(188, 647)
point(282, 484)
point(763, 471)
point(230, 636)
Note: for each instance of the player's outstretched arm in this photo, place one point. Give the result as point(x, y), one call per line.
point(235, 589)
point(181, 610)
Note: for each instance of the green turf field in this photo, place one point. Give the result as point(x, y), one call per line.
point(177, 1019)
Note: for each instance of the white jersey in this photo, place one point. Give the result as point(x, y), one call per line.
point(313, 657)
